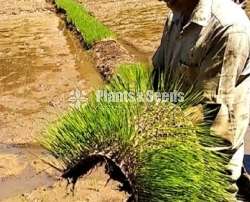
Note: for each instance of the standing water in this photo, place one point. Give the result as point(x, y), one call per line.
point(138, 23)
point(41, 63)
point(42, 70)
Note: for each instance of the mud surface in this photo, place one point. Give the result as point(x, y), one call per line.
point(40, 65)
point(107, 55)
point(138, 23)
point(43, 72)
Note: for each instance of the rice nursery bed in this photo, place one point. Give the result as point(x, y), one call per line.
point(158, 151)
point(107, 52)
point(87, 25)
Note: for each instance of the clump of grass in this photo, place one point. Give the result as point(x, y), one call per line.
point(89, 27)
point(154, 149)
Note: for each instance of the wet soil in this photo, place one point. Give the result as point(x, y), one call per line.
point(138, 23)
point(41, 63)
point(42, 67)
point(21, 171)
point(42, 70)
point(108, 55)
point(89, 189)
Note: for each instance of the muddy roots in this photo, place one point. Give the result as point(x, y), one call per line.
point(115, 172)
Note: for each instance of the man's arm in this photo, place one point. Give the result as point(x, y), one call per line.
point(222, 67)
point(223, 64)
point(234, 60)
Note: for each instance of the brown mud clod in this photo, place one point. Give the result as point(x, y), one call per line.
point(107, 55)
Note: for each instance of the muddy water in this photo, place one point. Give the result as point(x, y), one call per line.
point(41, 64)
point(20, 173)
point(41, 67)
point(138, 23)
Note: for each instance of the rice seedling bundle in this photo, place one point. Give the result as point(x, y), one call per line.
point(156, 150)
point(87, 25)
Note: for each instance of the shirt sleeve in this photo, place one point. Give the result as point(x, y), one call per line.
point(224, 63)
point(231, 96)
point(233, 62)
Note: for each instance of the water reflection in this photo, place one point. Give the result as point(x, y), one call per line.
point(41, 62)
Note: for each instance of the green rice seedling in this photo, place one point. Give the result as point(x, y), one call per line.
point(89, 27)
point(154, 149)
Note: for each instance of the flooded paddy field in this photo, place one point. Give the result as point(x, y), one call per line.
point(42, 70)
point(138, 23)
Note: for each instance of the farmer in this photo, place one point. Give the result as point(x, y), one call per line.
point(208, 41)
